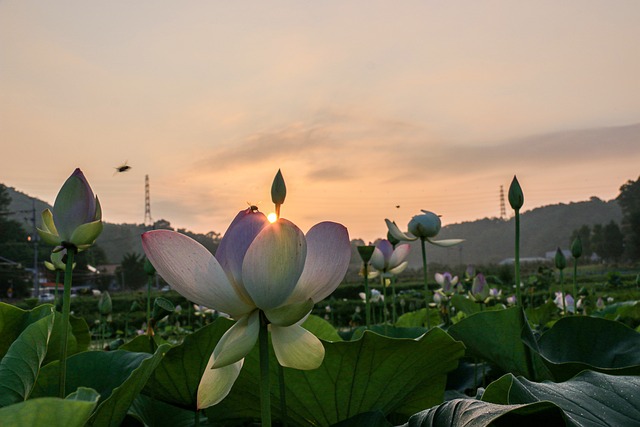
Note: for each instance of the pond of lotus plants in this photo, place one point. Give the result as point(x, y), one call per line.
point(470, 356)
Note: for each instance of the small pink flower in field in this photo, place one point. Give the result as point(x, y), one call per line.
point(479, 288)
point(447, 282)
point(386, 259)
point(262, 272)
point(511, 300)
point(600, 303)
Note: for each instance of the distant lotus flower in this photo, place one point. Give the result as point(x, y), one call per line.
point(262, 271)
point(480, 288)
point(76, 220)
point(438, 298)
point(447, 282)
point(376, 296)
point(371, 274)
point(511, 300)
point(568, 302)
point(425, 226)
point(386, 259)
point(495, 293)
point(600, 303)
point(201, 310)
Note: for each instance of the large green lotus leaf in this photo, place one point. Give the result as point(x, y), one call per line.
point(541, 315)
point(20, 366)
point(620, 310)
point(576, 343)
point(74, 411)
point(418, 319)
point(390, 331)
point(177, 377)
point(144, 344)
point(118, 376)
point(78, 340)
point(155, 413)
point(321, 328)
point(369, 419)
point(476, 413)
point(14, 320)
point(504, 339)
point(392, 375)
point(588, 399)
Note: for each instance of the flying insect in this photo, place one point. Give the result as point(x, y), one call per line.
point(122, 168)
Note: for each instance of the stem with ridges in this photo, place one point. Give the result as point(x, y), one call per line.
point(575, 286)
point(66, 310)
point(283, 396)
point(265, 389)
point(426, 286)
point(367, 296)
point(517, 259)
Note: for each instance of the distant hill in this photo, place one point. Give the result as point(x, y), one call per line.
point(488, 240)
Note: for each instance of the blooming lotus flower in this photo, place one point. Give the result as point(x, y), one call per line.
point(76, 220)
point(425, 226)
point(261, 271)
point(447, 282)
point(388, 260)
point(568, 301)
point(495, 293)
point(511, 300)
point(376, 296)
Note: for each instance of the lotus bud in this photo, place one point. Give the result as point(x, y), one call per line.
point(480, 288)
point(278, 191)
point(366, 252)
point(76, 220)
point(516, 197)
point(560, 260)
point(600, 303)
point(149, 268)
point(104, 304)
point(576, 248)
point(426, 225)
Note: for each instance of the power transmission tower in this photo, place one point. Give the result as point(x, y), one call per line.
point(147, 202)
point(503, 210)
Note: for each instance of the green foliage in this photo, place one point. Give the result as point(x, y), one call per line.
point(629, 200)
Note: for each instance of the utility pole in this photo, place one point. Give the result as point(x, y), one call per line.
point(147, 202)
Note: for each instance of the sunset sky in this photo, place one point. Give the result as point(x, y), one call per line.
point(363, 105)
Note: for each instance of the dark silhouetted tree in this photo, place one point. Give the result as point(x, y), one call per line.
point(629, 200)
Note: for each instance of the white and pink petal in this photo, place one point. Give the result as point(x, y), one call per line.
point(192, 271)
point(296, 348)
point(216, 383)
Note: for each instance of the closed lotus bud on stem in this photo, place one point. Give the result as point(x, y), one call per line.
point(516, 197)
point(560, 260)
point(278, 191)
point(149, 268)
point(104, 304)
point(576, 248)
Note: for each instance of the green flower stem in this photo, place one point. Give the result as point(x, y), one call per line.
point(149, 280)
point(384, 299)
point(283, 395)
point(564, 302)
point(265, 389)
point(66, 310)
point(575, 285)
point(517, 259)
point(426, 286)
point(196, 419)
point(394, 313)
point(367, 296)
point(55, 292)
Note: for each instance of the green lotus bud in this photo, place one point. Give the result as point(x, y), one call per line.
point(426, 225)
point(516, 198)
point(278, 189)
point(366, 252)
point(560, 260)
point(76, 220)
point(576, 248)
point(149, 268)
point(104, 304)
